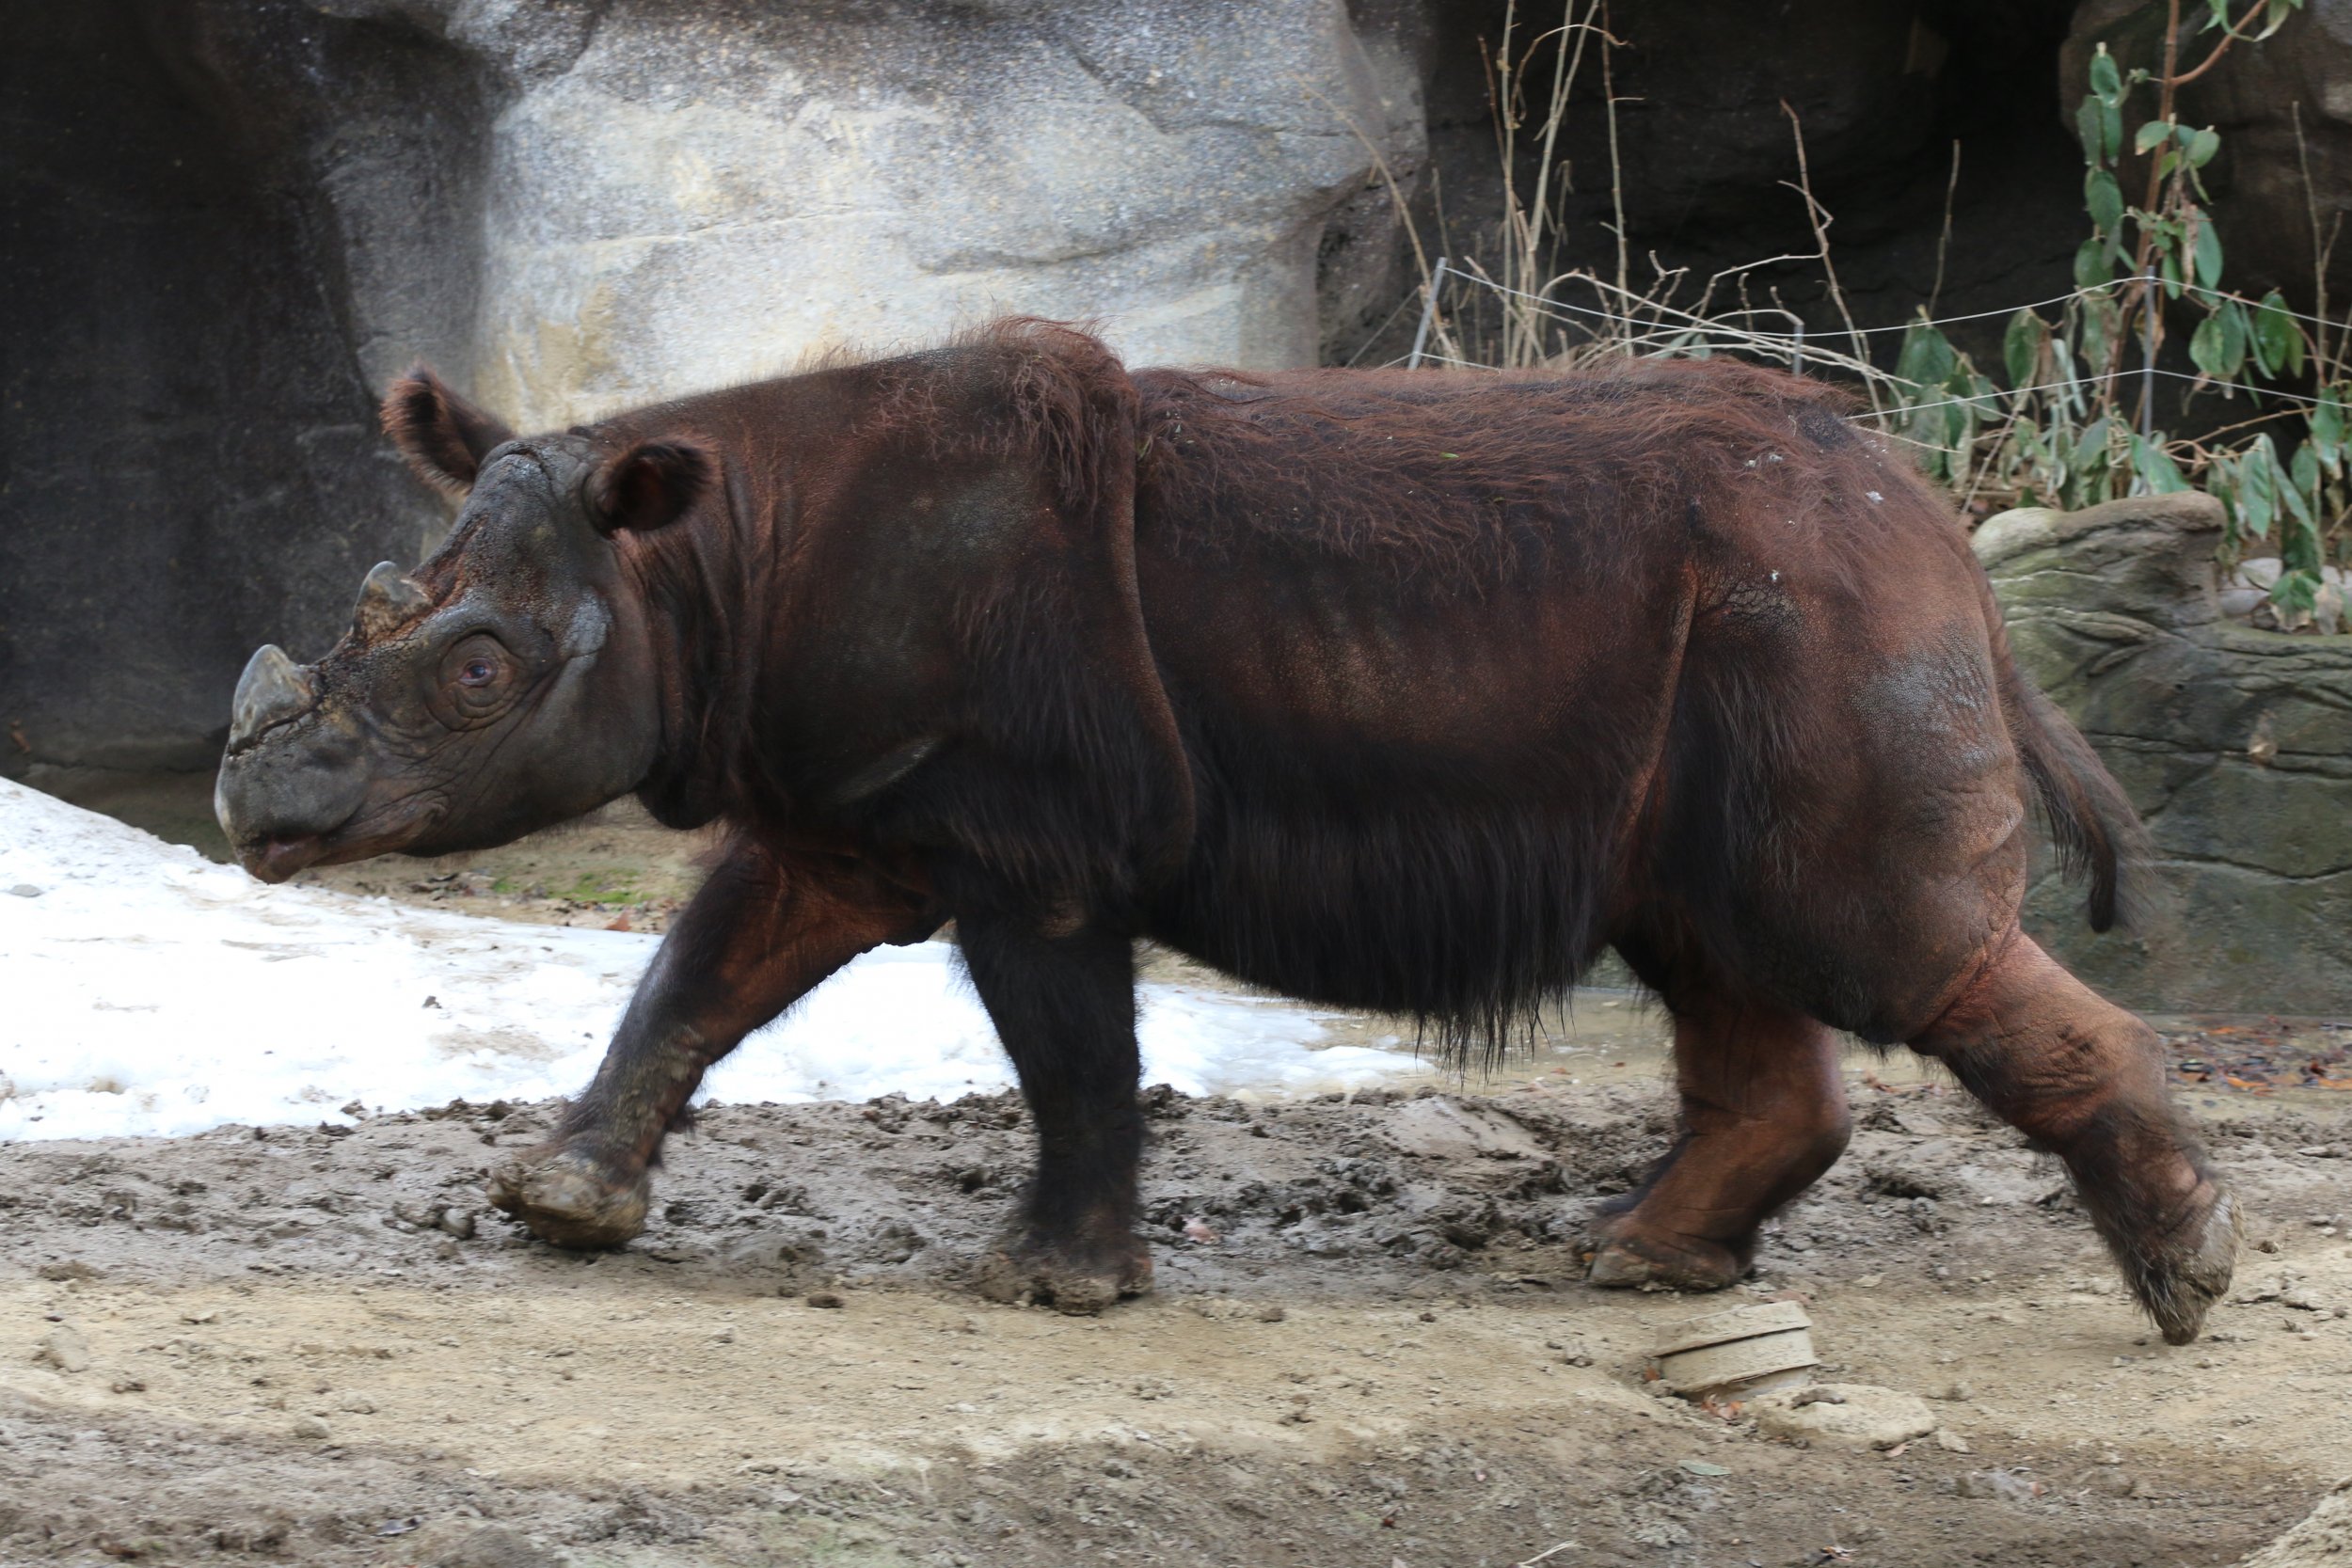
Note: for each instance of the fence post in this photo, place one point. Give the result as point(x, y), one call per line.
point(1428, 315)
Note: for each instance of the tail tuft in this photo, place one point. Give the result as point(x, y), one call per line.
point(2097, 830)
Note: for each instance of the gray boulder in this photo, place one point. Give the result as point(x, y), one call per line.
point(704, 195)
point(2234, 743)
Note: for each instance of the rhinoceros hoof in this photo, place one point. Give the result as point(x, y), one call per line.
point(2179, 1278)
point(1079, 1279)
point(1629, 1259)
point(569, 1200)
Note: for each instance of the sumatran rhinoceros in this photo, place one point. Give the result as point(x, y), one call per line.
point(1399, 691)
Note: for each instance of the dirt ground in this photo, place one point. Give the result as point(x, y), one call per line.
point(1369, 1344)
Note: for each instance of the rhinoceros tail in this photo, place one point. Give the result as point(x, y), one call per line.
point(2098, 832)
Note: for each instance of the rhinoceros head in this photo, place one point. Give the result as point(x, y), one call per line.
point(507, 685)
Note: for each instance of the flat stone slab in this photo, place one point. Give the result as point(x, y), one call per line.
point(1849, 1415)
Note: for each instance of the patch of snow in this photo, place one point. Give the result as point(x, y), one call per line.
point(147, 989)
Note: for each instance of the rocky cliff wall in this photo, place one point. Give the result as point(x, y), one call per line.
point(2235, 744)
point(229, 223)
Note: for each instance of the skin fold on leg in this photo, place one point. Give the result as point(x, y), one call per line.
point(1763, 1114)
point(763, 931)
point(2085, 1080)
point(1065, 1009)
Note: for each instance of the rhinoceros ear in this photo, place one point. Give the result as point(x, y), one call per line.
point(443, 437)
point(652, 484)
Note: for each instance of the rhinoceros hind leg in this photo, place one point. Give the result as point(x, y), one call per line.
point(565, 1197)
point(1763, 1114)
point(2085, 1079)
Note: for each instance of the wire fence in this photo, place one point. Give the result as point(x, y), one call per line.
point(1661, 329)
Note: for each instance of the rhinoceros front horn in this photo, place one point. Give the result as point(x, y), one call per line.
point(273, 688)
point(388, 601)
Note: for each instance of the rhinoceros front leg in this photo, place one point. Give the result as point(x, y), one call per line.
point(764, 930)
point(1065, 1009)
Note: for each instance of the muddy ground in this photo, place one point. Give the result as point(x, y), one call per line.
point(1369, 1344)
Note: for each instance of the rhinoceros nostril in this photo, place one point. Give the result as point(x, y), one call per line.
point(273, 689)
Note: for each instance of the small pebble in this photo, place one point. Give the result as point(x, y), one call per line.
point(825, 1298)
point(26, 890)
point(65, 1349)
point(309, 1427)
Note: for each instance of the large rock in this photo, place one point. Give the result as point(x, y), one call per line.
point(188, 465)
point(1844, 1415)
point(700, 198)
point(2236, 745)
point(232, 222)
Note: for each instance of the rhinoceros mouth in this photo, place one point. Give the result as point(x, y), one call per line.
point(275, 860)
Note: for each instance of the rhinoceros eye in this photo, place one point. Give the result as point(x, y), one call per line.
point(477, 677)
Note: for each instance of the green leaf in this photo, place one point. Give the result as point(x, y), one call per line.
point(2155, 467)
point(1928, 357)
point(2328, 425)
point(2168, 268)
point(2297, 591)
point(2202, 146)
point(2021, 347)
point(2091, 445)
point(2277, 340)
point(2208, 251)
point(2103, 198)
point(2297, 508)
point(2204, 346)
point(2111, 130)
point(2094, 267)
point(2305, 472)
point(2234, 334)
point(2258, 488)
point(2105, 80)
point(2150, 134)
point(2088, 123)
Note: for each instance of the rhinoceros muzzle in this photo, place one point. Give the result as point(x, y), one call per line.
point(273, 690)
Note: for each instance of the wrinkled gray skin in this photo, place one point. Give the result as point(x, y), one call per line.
point(516, 693)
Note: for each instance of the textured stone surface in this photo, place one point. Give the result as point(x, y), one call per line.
point(2322, 1541)
point(2235, 744)
point(187, 462)
point(229, 223)
point(703, 198)
point(1850, 1415)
